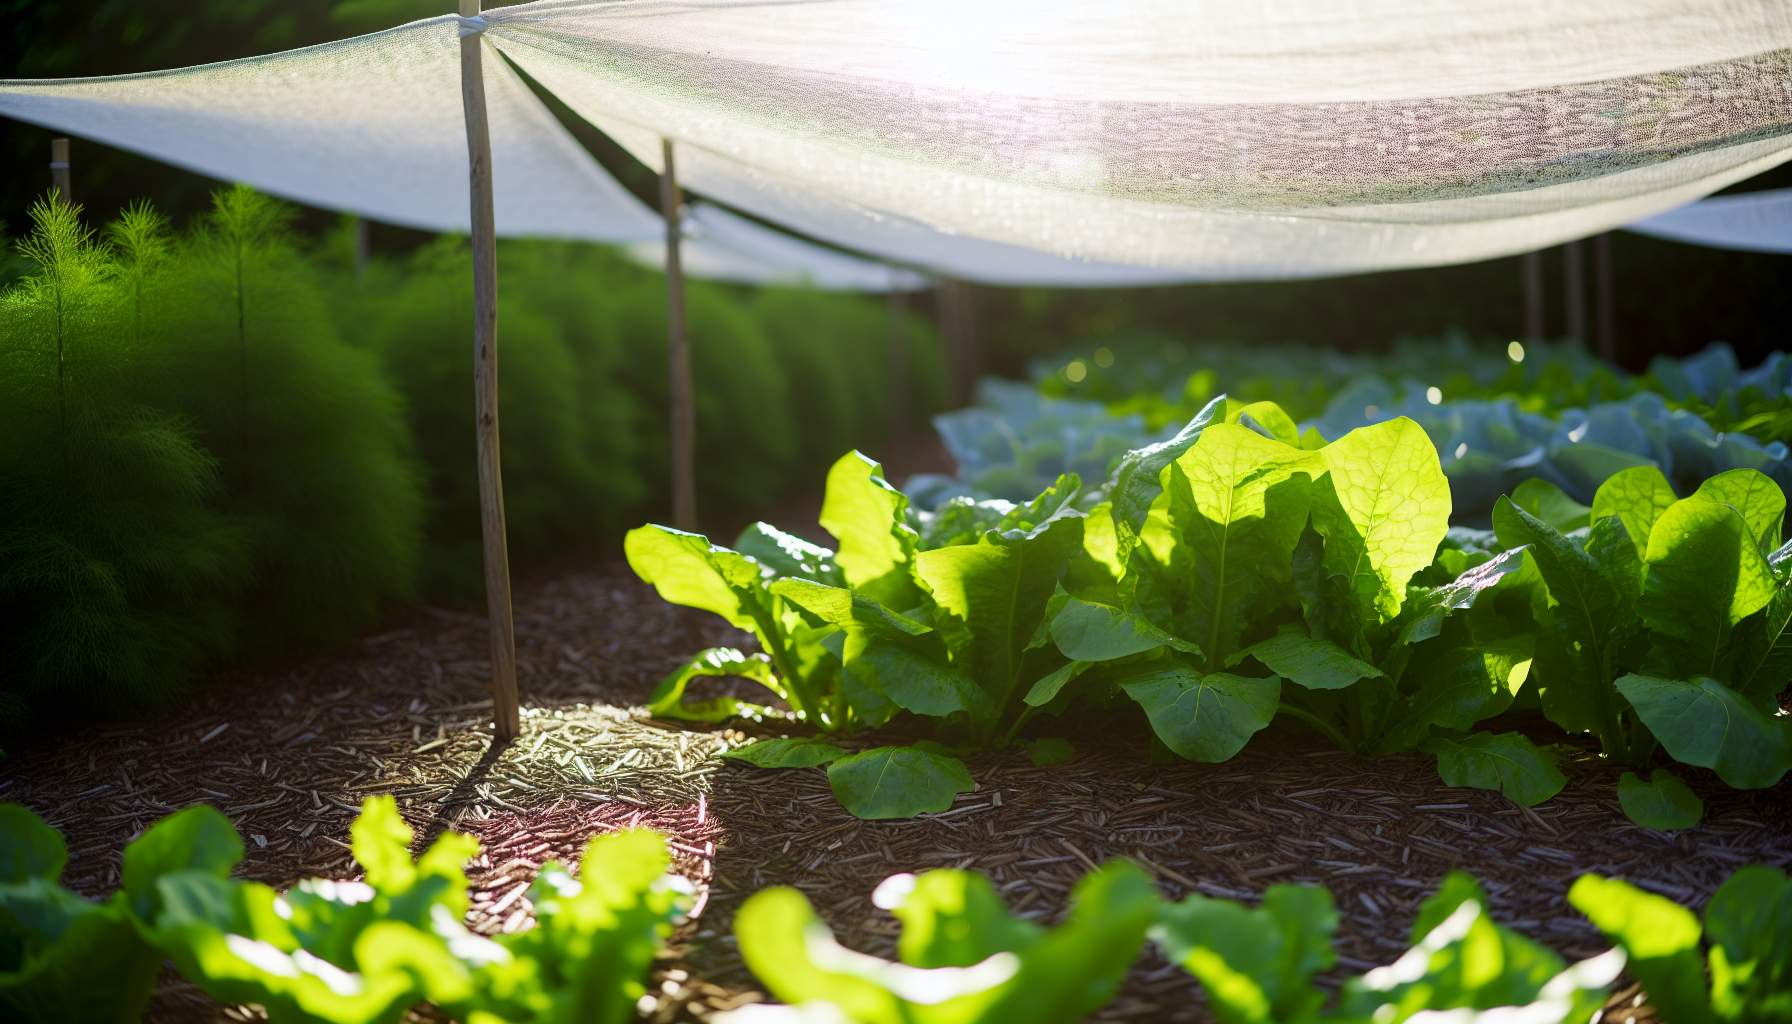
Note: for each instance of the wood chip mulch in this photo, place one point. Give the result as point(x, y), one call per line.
point(290, 755)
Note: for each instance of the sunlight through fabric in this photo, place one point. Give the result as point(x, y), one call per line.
point(1751, 222)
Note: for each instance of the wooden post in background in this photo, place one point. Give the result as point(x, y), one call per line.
point(1533, 296)
point(505, 717)
point(1605, 299)
point(901, 408)
point(1574, 293)
point(60, 176)
point(682, 391)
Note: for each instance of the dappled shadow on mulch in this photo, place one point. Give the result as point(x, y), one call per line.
point(290, 757)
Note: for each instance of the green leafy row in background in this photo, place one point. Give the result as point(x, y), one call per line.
point(339, 952)
point(1240, 573)
point(221, 444)
point(369, 951)
point(963, 959)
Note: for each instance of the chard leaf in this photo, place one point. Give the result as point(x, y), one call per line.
point(1138, 479)
point(787, 752)
point(1237, 502)
point(67, 959)
point(1660, 939)
point(1764, 650)
point(1270, 420)
point(197, 840)
point(951, 919)
point(29, 848)
point(869, 519)
point(912, 680)
point(1075, 969)
point(686, 569)
point(1704, 576)
point(1461, 685)
point(1749, 926)
point(1546, 501)
point(1704, 723)
point(1425, 613)
point(1384, 513)
point(992, 596)
point(1663, 803)
point(1755, 497)
point(1257, 965)
point(1204, 717)
point(668, 698)
point(1086, 631)
point(1637, 497)
point(786, 554)
point(1047, 689)
point(1505, 762)
point(1313, 664)
point(898, 782)
point(847, 609)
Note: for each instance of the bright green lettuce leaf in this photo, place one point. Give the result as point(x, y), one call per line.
point(1236, 503)
point(1310, 663)
point(1269, 419)
point(197, 839)
point(1704, 723)
point(688, 570)
point(1661, 939)
point(1256, 965)
point(1663, 802)
point(668, 698)
point(992, 598)
point(1086, 631)
point(1383, 507)
point(787, 752)
point(1637, 497)
point(847, 609)
point(787, 554)
point(1423, 617)
point(1704, 576)
point(28, 847)
point(63, 958)
point(951, 918)
point(1138, 479)
point(1748, 923)
point(1205, 717)
point(915, 681)
point(898, 782)
point(868, 518)
point(1505, 762)
point(1755, 497)
point(1547, 502)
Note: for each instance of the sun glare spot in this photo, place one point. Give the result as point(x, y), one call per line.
point(1434, 395)
point(1515, 352)
point(1076, 371)
point(1104, 357)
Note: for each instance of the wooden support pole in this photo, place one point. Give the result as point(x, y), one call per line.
point(1605, 298)
point(681, 390)
point(1533, 296)
point(60, 177)
point(1574, 292)
point(505, 719)
point(901, 405)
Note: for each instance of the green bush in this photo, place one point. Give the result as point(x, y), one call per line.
point(118, 573)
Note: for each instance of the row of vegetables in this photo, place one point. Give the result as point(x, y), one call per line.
point(225, 443)
point(1243, 573)
point(368, 951)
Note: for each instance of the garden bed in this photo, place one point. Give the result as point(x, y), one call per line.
point(290, 755)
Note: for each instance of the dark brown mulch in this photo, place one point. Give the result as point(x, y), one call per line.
point(291, 754)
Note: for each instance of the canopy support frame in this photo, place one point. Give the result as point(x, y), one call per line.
point(681, 389)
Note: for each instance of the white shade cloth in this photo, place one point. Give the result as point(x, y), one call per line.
point(723, 246)
point(371, 125)
point(1751, 221)
point(1218, 139)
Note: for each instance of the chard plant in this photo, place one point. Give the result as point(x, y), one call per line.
point(1667, 627)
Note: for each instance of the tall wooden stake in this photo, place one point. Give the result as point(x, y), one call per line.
point(678, 355)
point(1533, 296)
point(1605, 298)
point(59, 170)
point(485, 380)
point(1574, 292)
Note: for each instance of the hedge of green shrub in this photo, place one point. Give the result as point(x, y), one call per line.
point(227, 443)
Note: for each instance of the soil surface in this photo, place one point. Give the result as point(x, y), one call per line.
point(290, 755)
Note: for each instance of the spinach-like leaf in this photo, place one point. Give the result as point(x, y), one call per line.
point(1505, 762)
point(1702, 722)
point(898, 782)
point(1663, 802)
point(1205, 717)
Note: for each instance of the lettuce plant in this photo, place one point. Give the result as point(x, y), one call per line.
point(962, 959)
point(1668, 626)
point(65, 958)
point(1745, 972)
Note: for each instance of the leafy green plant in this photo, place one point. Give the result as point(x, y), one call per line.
point(1667, 628)
point(1257, 966)
point(961, 958)
point(1744, 974)
point(65, 958)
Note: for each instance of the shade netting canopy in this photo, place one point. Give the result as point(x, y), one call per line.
point(721, 246)
point(1019, 141)
point(1752, 222)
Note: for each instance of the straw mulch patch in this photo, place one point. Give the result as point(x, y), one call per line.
point(289, 755)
